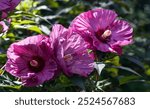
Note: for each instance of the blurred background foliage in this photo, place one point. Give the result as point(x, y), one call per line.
point(129, 72)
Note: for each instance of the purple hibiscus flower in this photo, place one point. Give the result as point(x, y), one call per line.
point(71, 52)
point(30, 60)
point(102, 30)
point(7, 6)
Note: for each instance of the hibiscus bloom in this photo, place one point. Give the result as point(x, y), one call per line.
point(7, 6)
point(71, 52)
point(102, 30)
point(30, 60)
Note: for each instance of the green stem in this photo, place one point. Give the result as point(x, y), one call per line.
point(2, 69)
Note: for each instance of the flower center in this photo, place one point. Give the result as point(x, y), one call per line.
point(103, 35)
point(68, 57)
point(106, 34)
point(36, 64)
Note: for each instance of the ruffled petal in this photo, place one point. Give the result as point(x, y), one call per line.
point(17, 68)
point(14, 3)
point(122, 33)
point(22, 53)
point(4, 4)
point(74, 44)
point(69, 48)
point(31, 80)
point(93, 20)
point(49, 71)
point(81, 65)
point(56, 39)
point(88, 23)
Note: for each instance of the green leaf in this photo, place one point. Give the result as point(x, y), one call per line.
point(35, 28)
point(43, 7)
point(1, 71)
point(45, 29)
point(127, 79)
point(23, 22)
point(102, 84)
point(127, 69)
point(29, 27)
point(135, 61)
point(2, 58)
point(53, 3)
point(78, 81)
point(10, 86)
point(65, 10)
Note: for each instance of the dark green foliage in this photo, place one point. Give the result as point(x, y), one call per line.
point(129, 72)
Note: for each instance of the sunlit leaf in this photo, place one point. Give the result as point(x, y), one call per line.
point(103, 83)
point(127, 69)
point(43, 7)
point(10, 86)
point(45, 29)
point(127, 79)
point(1, 71)
point(29, 27)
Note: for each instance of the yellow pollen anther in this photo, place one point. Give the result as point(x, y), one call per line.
point(68, 57)
point(33, 63)
point(106, 34)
